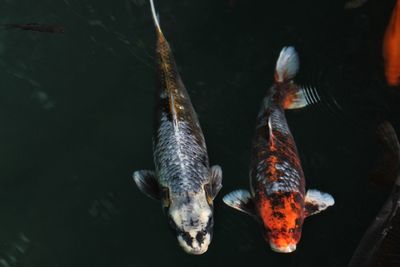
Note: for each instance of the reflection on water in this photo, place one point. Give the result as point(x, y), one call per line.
point(76, 120)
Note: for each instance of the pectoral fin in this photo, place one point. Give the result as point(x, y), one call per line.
point(241, 200)
point(215, 180)
point(147, 183)
point(317, 201)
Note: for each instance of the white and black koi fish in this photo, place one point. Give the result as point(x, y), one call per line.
point(380, 245)
point(277, 198)
point(183, 179)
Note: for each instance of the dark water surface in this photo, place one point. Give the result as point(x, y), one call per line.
point(76, 121)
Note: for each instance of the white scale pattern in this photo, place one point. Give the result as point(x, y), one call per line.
point(277, 122)
point(289, 181)
point(181, 163)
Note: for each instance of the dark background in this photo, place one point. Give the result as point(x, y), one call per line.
point(76, 121)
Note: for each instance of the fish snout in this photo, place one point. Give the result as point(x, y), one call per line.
point(195, 243)
point(283, 249)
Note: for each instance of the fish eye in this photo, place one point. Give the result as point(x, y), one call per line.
point(207, 189)
point(166, 202)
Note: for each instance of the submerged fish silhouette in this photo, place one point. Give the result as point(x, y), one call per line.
point(380, 245)
point(36, 27)
point(183, 179)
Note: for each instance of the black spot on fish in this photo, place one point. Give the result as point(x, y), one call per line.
point(200, 237)
point(278, 215)
point(188, 239)
point(276, 201)
point(297, 198)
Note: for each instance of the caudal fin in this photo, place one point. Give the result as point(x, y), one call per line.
point(155, 17)
point(287, 65)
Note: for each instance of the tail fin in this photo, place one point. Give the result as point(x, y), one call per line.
point(287, 65)
point(155, 17)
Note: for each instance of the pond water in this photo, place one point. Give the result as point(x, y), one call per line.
point(76, 113)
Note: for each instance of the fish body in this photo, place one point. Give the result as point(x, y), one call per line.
point(183, 179)
point(277, 197)
point(380, 245)
point(391, 48)
point(37, 27)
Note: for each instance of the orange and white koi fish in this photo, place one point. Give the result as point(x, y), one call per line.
point(391, 48)
point(277, 198)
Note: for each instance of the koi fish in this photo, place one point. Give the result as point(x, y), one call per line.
point(380, 245)
point(277, 197)
point(391, 48)
point(183, 179)
point(37, 27)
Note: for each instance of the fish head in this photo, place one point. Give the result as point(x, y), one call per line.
point(283, 248)
point(190, 216)
point(283, 219)
point(281, 237)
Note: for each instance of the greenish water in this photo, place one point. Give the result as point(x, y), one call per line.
point(76, 121)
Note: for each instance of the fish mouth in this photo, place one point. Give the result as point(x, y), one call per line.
point(194, 248)
point(196, 251)
point(286, 249)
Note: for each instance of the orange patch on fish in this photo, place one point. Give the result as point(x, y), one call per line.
point(282, 215)
point(289, 99)
point(391, 48)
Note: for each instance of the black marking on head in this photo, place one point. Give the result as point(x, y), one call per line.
point(277, 201)
point(278, 215)
point(185, 236)
point(200, 236)
point(194, 222)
